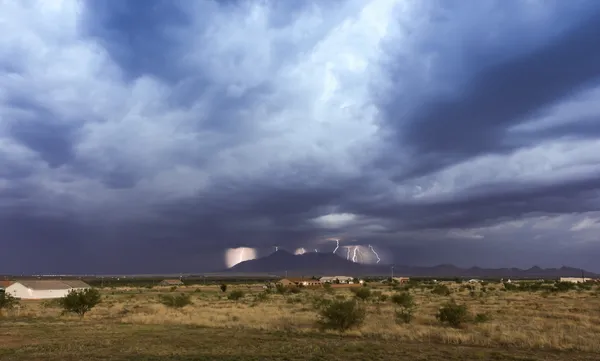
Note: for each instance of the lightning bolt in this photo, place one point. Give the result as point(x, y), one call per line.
point(276, 248)
point(375, 253)
point(355, 254)
point(316, 250)
point(302, 251)
point(337, 245)
point(242, 255)
point(348, 253)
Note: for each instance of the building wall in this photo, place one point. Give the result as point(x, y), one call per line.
point(574, 279)
point(19, 291)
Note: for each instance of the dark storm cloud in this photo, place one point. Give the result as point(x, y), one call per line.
point(150, 136)
point(446, 131)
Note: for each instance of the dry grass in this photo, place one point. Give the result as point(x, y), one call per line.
point(529, 324)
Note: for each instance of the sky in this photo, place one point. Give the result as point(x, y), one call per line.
point(152, 136)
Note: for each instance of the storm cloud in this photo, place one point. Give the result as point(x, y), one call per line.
point(150, 136)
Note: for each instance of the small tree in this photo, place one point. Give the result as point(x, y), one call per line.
point(341, 315)
point(223, 288)
point(7, 302)
point(453, 314)
point(80, 301)
point(327, 287)
point(406, 305)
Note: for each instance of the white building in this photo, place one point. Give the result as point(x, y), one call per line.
point(335, 279)
point(41, 289)
point(575, 279)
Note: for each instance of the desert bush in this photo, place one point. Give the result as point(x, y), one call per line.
point(294, 289)
point(178, 301)
point(281, 289)
point(262, 296)
point(341, 315)
point(482, 317)
point(441, 290)
point(235, 295)
point(51, 303)
point(362, 293)
point(453, 314)
point(223, 288)
point(327, 287)
point(564, 286)
point(173, 289)
point(80, 301)
point(320, 302)
point(7, 302)
point(404, 299)
point(406, 305)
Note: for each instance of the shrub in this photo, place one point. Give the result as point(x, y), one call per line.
point(178, 301)
point(441, 290)
point(482, 317)
point(406, 305)
point(235, 295)
point(173, 289)
point(294, 289)
point(403, 315)
point(453, 314)
point(320, 303)
point(51, 303)
point(404, 300)
point(7, 302)
point(223, 288)
point(327, 287)
point(262, 296)
point(362, 293)
point(341, 315)
point(80, 301)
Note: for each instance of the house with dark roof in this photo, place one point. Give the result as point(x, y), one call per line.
point(43, 289)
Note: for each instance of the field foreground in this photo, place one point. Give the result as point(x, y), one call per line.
point(130, 324)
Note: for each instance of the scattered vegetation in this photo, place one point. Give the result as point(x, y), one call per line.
point(453, 314)
point(405, 306)
point(80, 302)
point(7, 302)
point(177, 301)
point(223, 288)
point(341, 315)
point(235, 295)
point(362, 293)
point(441, 290)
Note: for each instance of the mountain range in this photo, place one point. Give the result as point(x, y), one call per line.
point(320, 264)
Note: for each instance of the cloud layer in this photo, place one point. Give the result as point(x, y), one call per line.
point(151, 136)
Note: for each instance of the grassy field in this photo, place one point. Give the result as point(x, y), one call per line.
point(131, 324)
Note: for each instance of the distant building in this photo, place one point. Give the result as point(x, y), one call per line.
point(401, 279)
point(337, 279)
point(42, 289)
point(474, 280)
point(576, 279)
point(173, 282)
point(306, 282)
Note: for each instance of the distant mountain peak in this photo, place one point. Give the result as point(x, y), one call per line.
point(326, 263)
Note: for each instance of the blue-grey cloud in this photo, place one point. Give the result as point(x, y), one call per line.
point(147, 136)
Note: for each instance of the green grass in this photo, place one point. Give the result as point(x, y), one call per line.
point(31, 339)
